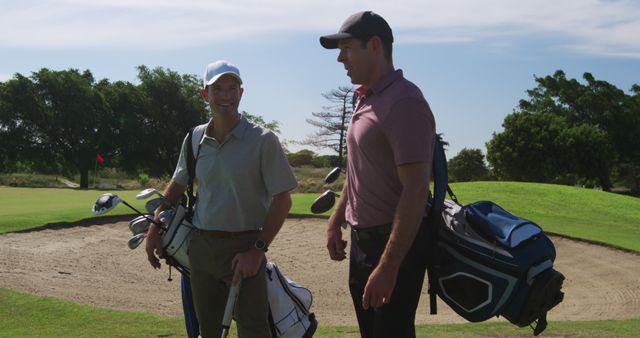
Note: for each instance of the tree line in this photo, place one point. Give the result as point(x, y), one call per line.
point(62, 122)
point(565, 132)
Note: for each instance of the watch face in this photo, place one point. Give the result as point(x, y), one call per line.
point(260, 244)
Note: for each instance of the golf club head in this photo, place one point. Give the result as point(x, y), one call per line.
point(166, 215)
point(146, 193)
point(324, 203)
point(153, 204)
point(105, 203)
point(333, 175)
point(135, 241)
point(139, 225)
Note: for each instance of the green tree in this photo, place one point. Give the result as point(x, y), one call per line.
point(58, 119)
point(468, 165)
point(172, 106)
point(567, 131)
point(527, 149)
point(131, 143)
point(20, 140)
point(76, 119)
point(273, 125)
point(301, 158)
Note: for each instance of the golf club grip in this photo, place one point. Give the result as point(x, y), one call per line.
point(231, 303)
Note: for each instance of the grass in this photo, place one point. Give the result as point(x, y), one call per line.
point(25, 208)
point(24, 315)
point(302, 205)
point(312, 180)
point(588, 214)
point(580, 213)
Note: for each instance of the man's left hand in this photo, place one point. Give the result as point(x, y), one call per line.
point(246, 264)
point(379, 287)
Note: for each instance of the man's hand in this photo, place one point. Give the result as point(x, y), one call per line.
point(379, 287)
point(154, 246)
point(246, 264)
point(335, 244)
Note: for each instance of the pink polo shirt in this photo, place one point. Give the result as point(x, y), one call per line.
point(392, 125)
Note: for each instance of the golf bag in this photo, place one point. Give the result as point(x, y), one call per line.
point(289, 305)
point(486, 262)
point(175, 240)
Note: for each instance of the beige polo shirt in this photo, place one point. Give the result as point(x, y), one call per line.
point(236, 179)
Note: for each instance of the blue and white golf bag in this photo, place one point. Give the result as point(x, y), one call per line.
point(487, 262)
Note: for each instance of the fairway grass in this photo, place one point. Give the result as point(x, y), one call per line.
point(25, 208)
point(578, 213)
point(575, 212)
point(24, 315)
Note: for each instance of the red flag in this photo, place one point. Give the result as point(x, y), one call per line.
point(99, 159)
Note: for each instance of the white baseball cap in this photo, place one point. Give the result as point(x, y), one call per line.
point(216, 69)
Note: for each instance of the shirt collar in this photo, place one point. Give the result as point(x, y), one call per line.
point(381, 85)
point(240, 129)
point(237, 132)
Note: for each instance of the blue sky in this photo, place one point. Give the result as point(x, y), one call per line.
point(473, 59)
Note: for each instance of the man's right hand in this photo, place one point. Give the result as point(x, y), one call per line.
point(335, 244)
point(154, 247)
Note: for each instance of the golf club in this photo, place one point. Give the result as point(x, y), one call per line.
point(333, 175)
point(166, 215)
point(108, 201)
point(324, 202)
point(153, 204)
point(146, 193)
point(228, 309)
point(135, 241)
point(139, 225)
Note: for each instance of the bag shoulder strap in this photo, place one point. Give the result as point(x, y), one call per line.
point(440, 189)
point(195, 136)
point(440, 177)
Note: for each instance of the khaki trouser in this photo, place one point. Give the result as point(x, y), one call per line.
point(211, 275)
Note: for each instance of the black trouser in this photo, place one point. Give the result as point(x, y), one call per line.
point(395, 319)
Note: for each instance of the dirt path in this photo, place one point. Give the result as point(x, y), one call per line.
point(91, 264)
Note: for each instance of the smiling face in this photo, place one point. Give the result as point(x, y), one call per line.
point(224, 95)
point(358, 60)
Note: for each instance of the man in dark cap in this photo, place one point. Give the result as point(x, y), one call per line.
point(390, 148)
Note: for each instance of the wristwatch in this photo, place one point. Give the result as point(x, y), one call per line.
point(260, 245)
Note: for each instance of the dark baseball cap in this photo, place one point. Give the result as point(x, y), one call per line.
point(359, 25)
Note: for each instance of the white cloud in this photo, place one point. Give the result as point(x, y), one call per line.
point(585, 26)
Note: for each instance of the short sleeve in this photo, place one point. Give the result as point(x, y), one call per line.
point(410, 130)
point(181, 174)
point(276, 171)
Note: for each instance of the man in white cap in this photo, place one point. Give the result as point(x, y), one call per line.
point(390, 140)
point(243, 181)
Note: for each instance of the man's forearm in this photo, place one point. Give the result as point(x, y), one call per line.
point(408, 216)
point(338, 218)
point(278, 211)
point(173, 193)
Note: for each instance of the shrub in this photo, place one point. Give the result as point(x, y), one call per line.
point(143, 179)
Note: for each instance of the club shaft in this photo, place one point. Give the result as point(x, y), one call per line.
point(141, 214)
point(228, 310)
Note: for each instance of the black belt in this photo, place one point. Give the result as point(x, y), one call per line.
point(370, 233)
